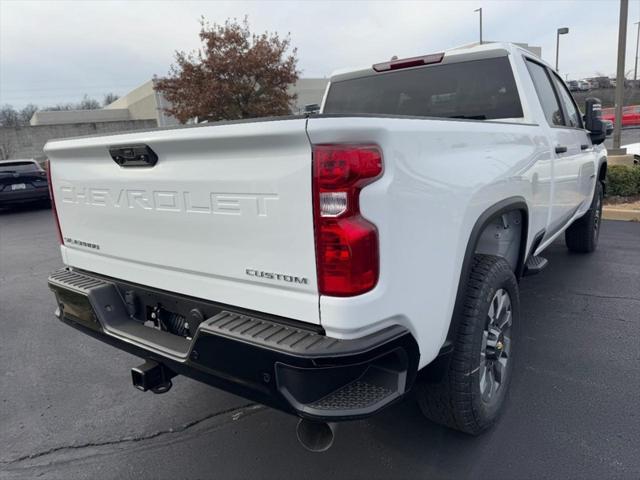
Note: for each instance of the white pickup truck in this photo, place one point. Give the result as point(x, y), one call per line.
point(326, 265)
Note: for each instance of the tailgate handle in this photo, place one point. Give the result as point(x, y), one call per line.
point(133, 155)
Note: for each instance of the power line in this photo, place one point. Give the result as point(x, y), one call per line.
point(69, 87)
point(59, 95)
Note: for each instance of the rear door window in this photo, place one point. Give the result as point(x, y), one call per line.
point(478, 89)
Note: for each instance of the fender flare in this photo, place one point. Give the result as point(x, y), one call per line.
point(436, 368)
point(602, 173)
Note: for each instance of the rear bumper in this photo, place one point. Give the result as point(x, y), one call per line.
point(273, 361)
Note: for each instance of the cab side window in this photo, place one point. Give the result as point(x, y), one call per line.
point(572, 114)
point(546, 94)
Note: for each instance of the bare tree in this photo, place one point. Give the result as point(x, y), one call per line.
point(9, 117)
point(60, 107)
point(109, 98)
point(27, 112)
point(88, 103)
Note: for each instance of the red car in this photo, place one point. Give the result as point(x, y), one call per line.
point(630, 115)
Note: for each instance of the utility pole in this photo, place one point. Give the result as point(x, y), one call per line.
point(480, 10)
point(622, 44)
point(635, 70)
point(561, 31)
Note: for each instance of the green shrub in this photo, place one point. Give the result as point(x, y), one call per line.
point(623, 180)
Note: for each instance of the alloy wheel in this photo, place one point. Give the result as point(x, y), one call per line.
point(597, 215)
point(496, 346)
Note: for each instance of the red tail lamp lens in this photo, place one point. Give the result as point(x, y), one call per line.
point(347, 253)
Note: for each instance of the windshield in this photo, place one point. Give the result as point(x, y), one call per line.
point(478, 89)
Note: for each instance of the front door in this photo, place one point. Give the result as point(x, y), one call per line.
point(582, 165)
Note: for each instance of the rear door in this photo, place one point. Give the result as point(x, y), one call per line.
point(225, 214)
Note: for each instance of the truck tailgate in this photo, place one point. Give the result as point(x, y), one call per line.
point(225, 214)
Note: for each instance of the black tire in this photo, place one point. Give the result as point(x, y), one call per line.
point(582, 236)
point(457, 400)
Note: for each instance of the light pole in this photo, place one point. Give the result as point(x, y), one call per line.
point(480, 11)
point(622, 45)
point(635, 70)
point(561, 31)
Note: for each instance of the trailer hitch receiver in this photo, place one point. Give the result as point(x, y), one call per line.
point(153, 376)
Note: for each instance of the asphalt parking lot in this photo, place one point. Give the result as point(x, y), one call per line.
point(629, 135)
point(68, 410)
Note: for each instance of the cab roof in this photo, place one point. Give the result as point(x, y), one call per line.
point(453, 55)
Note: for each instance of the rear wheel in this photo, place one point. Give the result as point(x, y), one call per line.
point(472, 391)
point(582, 236)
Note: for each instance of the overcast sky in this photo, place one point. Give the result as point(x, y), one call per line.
point(54, 51)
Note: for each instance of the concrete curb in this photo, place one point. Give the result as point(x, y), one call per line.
point(610, 213)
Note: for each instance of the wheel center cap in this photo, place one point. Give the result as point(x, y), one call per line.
point(500, 344)
point(495, 345)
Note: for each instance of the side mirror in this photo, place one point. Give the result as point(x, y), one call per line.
point(593, 120)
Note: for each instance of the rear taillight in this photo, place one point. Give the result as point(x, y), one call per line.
point(53, 203)
point(346, 243)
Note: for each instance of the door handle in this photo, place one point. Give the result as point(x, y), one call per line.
point(561, 149)
point(584, 147)
point(133, 156)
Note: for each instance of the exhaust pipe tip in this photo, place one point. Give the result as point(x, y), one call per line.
point(315, 436)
